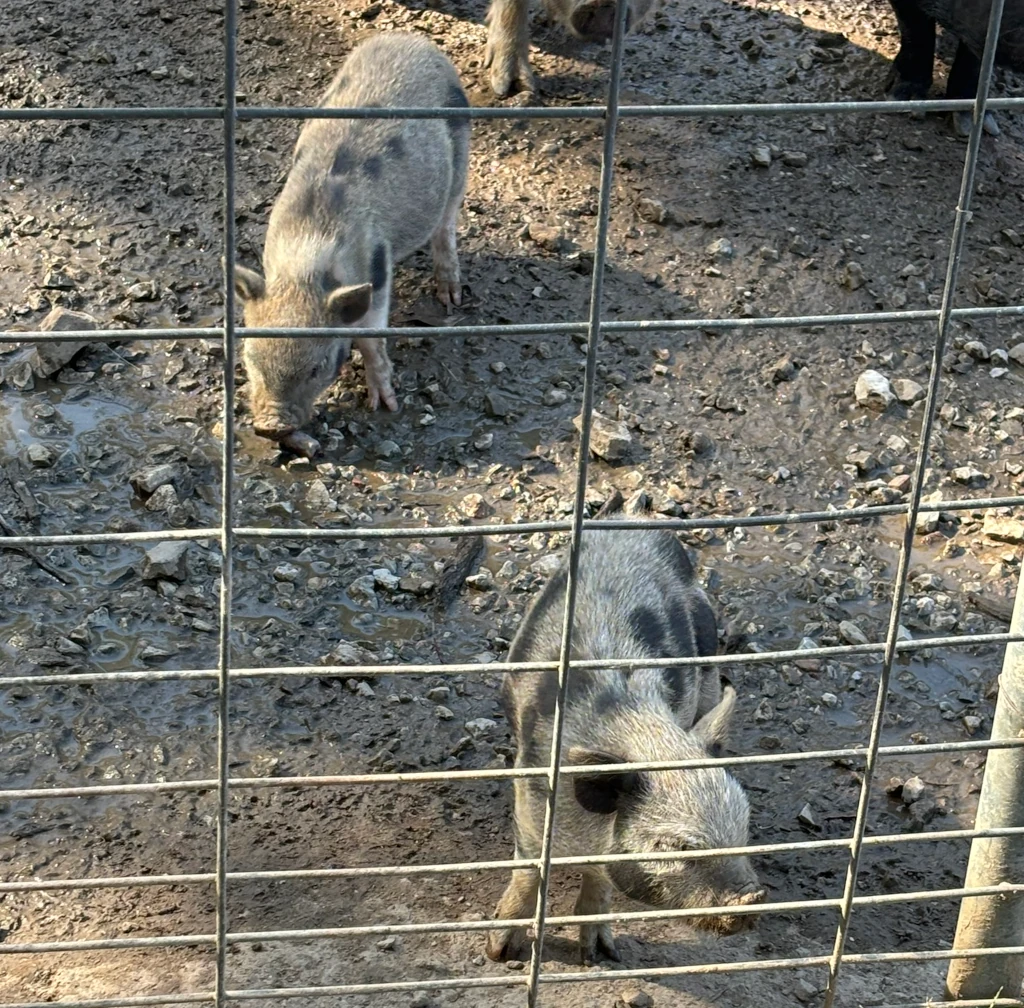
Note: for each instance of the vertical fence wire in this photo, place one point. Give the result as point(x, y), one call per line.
point(579, 501)
point(227, 508)
point(960, 222)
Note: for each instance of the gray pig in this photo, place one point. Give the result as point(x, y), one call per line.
point(508, 34)
point(361, 195)
point(637, 598)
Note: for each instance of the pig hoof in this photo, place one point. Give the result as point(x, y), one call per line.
point(597, 939)
point(449, 292)
point(962, 122)
point(509, 944)
point(381, 392)
point(509, 68)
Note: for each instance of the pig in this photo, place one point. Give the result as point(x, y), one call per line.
point(637, 597)
point(911, 75)
point(360, 196)
point(508, 34)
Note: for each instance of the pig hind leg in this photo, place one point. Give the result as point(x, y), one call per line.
point(508, 47)
point(376, 363)
point(595, 898)
point(911, 75)
point(519, 900)
point(963, 83)
point(443, 248)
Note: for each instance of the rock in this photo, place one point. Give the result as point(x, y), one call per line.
point(147, 481)
point(913, 789)
point(287, 572)
point(794, 159)
point(483, 580)
point(163, 498)
point(761, 156)
point(852, 276)
point(387, 449)
point(863, 460)
point(969, 476)
point(484, 442)
point(782, 370)
point(475, 506)
point(972, 723)
point(361, 591)
point(66, 646)
point(720, 250)
point(166, 560)
point(830, 699)
point(977, 350)
point(45, 359)
point(928, 521)
point(548, 238)
point(851, 633)
point(700, 442)
point(41, 456)
point(873, 389)
point(56, 280)
point(801, 246)
point(383, 578)
point(631, 997)
point(804, 991)
point(347, 653)
point(907, 390)
point(364, 689)
point(1008, 530)
point(496, 403)
point(651, 210)
point(548, 565)
point(153, 653)
point(319, 497)
point(443, 713)
point(609, 439)
point(924, 810)
point(438, 693)
point(807, 817)
point(555, 397)
point(480, 727)
point(1016, 354)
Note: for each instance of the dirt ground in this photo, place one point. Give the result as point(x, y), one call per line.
point(122, 221)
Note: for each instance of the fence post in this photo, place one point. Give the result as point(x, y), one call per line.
point(992, 921)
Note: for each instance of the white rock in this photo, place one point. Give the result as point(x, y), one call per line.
point(480, 726)
point(166, 560)
point(287, 572)
point(913, 789)
point(609, 439)
point(361, 591)
point(907, 390)
point(383, 578)
point(548, 565)
point(851, 633)
point(873, 389)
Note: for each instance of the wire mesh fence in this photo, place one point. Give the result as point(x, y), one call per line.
point(553, 773)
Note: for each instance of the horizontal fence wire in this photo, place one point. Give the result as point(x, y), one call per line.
point(227, 535)
point(520, 329)
point(373, 871)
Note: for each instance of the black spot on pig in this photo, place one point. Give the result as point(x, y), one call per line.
point(394, 146)
point(343, 162)
point(373, 166)
point(648, 629)
point(379, 267)
point(457, 99)
point(336, 198)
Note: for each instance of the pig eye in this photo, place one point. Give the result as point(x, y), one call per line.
point(314, 372)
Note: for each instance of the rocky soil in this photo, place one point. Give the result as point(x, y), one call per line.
point(715, 217)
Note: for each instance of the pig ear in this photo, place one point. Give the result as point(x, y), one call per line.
point(601, 793)
point(249, 285)
point(713, 728)
point(349, 304)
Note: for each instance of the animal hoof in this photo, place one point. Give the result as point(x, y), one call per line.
point(508, 944)
point(596, 940)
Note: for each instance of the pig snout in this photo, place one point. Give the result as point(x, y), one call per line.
point(733, 924)
point(275, 421)
point(595, 21)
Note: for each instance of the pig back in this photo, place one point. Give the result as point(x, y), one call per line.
point(968, 21)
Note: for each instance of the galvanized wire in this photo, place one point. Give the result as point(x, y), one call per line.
point(227, 533)
point(963, 215)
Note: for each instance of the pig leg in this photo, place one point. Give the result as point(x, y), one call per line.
point(911, 75)
point(963, 83)
point(444, 250)
point(508, 47)
point(519, 900)
point(595, 898)
point(376, 362)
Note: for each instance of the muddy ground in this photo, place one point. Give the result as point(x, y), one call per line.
point(121, 221)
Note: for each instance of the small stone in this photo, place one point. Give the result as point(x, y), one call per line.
point(65, 646)
point(977, 350)
point(167, 561)
point(287, 572)
point(1016, 354)
point(1000, 356)
point(801, 246)
point(146, 481)
point(969, 476)
point(438, 694)
point(555, 397)
point(387, 944)
point(484, 442)
point(913, 789)
point(804, 991)
point(873, 389)
point(700, 442)
point(851, 633)
point(361, 591)
point(475, 506)
point(907, 390)
point(41, 456)
point(794, 159)
point(56, 280)
point(153, 653)
point(480, 727)
point(609, 439)
point(972, 723)
point(1008, 530)
point(761, 156)
point(163, 498)
point(863, 460)
point(387, 449)
point(548, 565)
point(364, 689)
point(482, 580)
point(807, 817)
point(548, 238)
point(720, 250)
point(443, 713)
point(830, 699)
point(651, 210)
point(319, 497)
point(497, 404)
point(782, 370)
point(634, 998)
